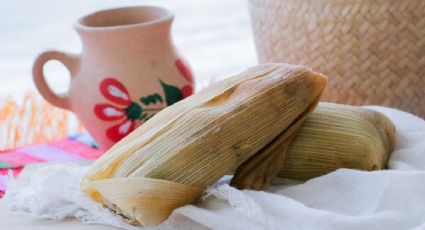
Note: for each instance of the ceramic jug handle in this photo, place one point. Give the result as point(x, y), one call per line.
point(69, 60)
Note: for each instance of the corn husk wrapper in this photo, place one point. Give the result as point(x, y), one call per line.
point(173, 157)
point(339, 136)
point(333, 136)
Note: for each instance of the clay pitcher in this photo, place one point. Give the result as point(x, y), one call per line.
point(128, 70)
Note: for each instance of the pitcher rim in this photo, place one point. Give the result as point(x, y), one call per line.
point(80, 26)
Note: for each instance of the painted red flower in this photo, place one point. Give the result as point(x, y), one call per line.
point(124, 109)
point(184, 70)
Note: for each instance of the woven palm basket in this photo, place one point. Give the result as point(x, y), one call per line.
point(372, 50)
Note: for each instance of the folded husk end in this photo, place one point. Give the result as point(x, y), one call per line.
point(140, 200)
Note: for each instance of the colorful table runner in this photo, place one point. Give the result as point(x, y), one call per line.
point(75, 148)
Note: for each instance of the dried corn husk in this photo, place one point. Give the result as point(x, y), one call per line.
point(339, 136)
point(186, 147)
point(333, 136)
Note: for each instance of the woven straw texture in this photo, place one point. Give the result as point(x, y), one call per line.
point(372, 51)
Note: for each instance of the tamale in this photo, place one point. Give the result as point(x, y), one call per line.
point(173, 157)
point(339, 136)
point(333, 136)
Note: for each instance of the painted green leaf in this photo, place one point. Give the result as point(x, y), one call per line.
point(172, 93)
point(151, 99)
point(134, 111)
point(5, 165)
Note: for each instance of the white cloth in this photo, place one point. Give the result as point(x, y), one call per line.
point(344, 199)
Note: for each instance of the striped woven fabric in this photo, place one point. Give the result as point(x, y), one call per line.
point(75, 148)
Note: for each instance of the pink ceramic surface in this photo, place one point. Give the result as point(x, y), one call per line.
point(128, 70)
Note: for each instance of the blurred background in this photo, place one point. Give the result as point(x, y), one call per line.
point(215, 36)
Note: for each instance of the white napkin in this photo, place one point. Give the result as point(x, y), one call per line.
point(344, 199)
